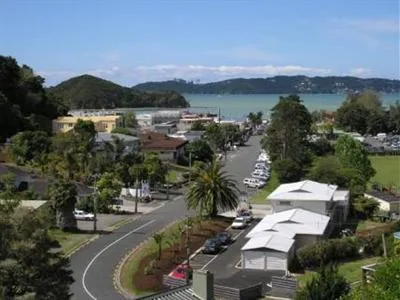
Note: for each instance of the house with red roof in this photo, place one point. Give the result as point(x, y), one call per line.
point(169, 148)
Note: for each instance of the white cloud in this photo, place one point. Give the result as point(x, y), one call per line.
point(360, 72)
point(130, 76)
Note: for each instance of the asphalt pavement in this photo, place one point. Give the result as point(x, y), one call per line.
point(93, 266)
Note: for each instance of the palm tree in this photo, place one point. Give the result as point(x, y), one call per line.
point(212, 189)
point(158, 238)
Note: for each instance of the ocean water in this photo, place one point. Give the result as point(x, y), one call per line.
point(238, 106)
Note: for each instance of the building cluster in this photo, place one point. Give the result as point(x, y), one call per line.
point(166, 131)
point(304, 212)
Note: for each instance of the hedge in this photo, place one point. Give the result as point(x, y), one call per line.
point(324, 252)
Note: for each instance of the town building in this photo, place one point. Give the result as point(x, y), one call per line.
point(166, 128)
point(316, 197)
point(274, 240)
point(104, 123)
point(388, 202)
point(169, 148)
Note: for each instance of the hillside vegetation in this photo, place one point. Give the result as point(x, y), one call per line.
point(276, 85)
point(88, 92)
point(24, 103)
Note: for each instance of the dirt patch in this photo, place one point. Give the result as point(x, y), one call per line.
point(175, 254)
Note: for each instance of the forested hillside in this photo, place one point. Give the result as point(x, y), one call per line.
point(276, 85)
point(88, 91)
point(24, 103)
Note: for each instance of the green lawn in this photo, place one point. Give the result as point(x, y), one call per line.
point(272, 184)
point(70, 241)
point(350, 270)
point(387, 169)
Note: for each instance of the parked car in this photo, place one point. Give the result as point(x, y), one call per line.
point(253, 183)
point(225, 237)
point(247, 215)
point(181, 271)
point(264, 178)
point(239, 223)
point(211, 246)
point(260, 173)
point(83, 216)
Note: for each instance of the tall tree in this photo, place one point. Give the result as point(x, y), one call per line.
point(289, 129)
point(130, 120)
point(212, 190)
point(327, 284)
point(200, 150)
point(63, 195)
point(29, 267)
point(109, 187)
point(84, 134)
point(198, 126)
point(352, 154)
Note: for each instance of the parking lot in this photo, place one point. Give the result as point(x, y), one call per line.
point(202, 261)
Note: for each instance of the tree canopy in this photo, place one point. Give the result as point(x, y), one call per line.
point(24, 103)
point(30, 268)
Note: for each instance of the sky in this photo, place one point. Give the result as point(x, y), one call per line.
point(133, 41)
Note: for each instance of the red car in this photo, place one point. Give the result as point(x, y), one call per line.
point(180, 272)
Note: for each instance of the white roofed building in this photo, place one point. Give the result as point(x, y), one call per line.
point(317, 197)
point(274, 240)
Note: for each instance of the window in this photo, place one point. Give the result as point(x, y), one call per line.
point(285, 203)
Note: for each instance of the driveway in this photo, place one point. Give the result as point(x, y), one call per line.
point(93, 266)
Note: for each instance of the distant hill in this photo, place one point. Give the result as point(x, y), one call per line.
point(88, 91)
point(276, 85)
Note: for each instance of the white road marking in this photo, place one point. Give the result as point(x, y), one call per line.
point(236, 236)
point(104, 250)
point(211, 260)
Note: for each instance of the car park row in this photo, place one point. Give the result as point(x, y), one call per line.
point(261, 172)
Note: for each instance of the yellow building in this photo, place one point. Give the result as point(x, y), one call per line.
point(102, 123)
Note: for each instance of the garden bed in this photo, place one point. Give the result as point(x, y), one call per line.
point(142, 273)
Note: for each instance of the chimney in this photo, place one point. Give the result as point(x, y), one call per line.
point(203, 285)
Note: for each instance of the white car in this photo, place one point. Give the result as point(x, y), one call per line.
point(83, 216)
point(247, 215)
point(239, 223)
point(260, 172)
point(253, 183)
point(264, 178)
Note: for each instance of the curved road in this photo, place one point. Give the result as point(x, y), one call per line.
point(93, 266)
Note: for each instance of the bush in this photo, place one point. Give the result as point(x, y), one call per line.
point(372, 244)
point(85, 204)
point(148, 270)
point(324, 252)
point(153, 264)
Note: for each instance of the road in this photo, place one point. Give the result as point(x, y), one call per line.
point(93, 266)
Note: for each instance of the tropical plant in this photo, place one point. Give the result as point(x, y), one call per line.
point(63, 196)
point(212, 190)
point(158, 239)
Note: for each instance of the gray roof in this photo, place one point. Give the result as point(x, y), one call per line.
point(385, 196)
point(180, 293)
point(107, 137)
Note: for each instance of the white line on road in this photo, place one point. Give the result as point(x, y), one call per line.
point(236, 236)
point(104, 250)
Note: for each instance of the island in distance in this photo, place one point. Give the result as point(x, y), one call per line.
point(276, 85)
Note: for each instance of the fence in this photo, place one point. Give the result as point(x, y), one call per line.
point(173, 282)
point(222, 292)
point(283, 287)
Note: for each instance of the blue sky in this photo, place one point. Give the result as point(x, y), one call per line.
point(131, 41)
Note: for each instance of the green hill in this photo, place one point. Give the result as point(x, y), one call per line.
point(276, 85)
point(88, 91)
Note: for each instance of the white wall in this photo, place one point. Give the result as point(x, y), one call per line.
point(314, 206)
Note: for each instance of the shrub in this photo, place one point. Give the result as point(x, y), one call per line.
point(153, 264)
point(324, 252)
point(148, 270)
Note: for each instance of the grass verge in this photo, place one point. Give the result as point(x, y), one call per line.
point(135, 277)
point(351, 271)
point(70, 241)
point(260, 196)
point(387, 169)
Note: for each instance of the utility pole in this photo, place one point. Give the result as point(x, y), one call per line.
point(95, 209)
point(167, 181)
point(187, 251)
point(384, 245)
point(136, 197)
